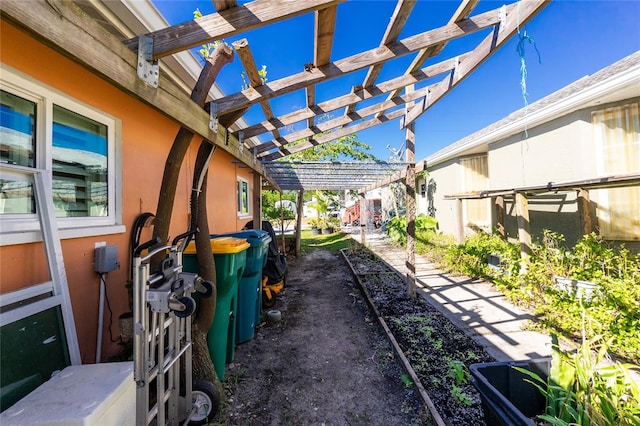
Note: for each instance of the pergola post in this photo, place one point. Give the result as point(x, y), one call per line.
point(299, 221)
point(498, 203)
point(283, 240)
point(410, 183)
point(257, 201)
point(363, 223)
point(524, 228)
point(459, 221)
point(584, 211)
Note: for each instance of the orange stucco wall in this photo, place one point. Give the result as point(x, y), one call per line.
point(147, 136)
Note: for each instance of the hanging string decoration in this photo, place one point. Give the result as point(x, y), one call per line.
point(524, 38)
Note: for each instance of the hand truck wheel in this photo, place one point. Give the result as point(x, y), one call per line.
point(205, 288)
point(206, 402)
point(190, 307)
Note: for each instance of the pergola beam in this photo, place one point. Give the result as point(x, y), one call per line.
point(226, 23)
point(329, 175)
point(324, 27)
point(485, 49)
point(366, 59)
point(429, 95)
point(603, 182)
point(355, 96)
point(328, 137)
point(398, 20)
point(251, 70)
point(220, 5)
point(396, 177)
point(84, 41)
point(463, 12)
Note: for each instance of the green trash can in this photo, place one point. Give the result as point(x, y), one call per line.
point(230, 255)
point(250, 285)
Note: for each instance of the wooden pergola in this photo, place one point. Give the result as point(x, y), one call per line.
point(135, 65)
point(86, 41)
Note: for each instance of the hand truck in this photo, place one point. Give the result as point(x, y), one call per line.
point(162, 309)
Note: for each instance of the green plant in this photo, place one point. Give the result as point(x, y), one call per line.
point(587, 387)
point(406, 379)
point(280, 214)
point(397, 227)
point(207, 49)
point(262, 73)
point(458, 372)
point(471, 257)
point(333, 222)
point(460, 396)
point(397, 230)
point(236, 377)
point(614, 308)
point(426, 223)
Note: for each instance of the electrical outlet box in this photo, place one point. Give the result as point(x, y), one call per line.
point(106, 259)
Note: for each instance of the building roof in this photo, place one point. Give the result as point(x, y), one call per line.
point(618, 81)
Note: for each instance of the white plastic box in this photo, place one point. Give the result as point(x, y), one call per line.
point(92, 394)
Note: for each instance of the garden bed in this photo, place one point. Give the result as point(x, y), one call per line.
point(437, 351)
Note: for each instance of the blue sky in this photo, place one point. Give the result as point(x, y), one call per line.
point(574, 39)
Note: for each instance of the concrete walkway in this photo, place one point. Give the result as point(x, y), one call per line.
point(473, 305)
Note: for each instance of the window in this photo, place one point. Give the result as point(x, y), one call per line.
point(79, 157)
point(17, 146)
point(243, 197)
point(476, 178)
point(617, 138)
point(44, 129)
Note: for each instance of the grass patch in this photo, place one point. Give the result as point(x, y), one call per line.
point(332, 242)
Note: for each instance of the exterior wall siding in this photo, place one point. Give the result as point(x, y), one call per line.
point(561, 150)
point(147, 136)
point(548, 154)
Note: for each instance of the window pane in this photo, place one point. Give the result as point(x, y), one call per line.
point(16, 197)
point(17, 130)
point(17, 146)
point(79, 155)
point(32, 349)
point(243, 197)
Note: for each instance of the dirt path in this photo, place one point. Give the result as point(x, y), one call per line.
point(326, 363)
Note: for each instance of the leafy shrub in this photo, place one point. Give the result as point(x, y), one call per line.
point(397, 227)
point(587, 388)
point(614, 308)
point(470, 257)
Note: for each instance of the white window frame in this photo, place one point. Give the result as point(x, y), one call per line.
point(239, 181)
point(24, 228)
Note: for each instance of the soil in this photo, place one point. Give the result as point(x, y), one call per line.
point(328, 360)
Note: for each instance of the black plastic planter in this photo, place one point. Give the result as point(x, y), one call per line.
point(507, 399)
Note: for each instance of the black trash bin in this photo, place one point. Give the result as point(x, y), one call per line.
point(507, 399)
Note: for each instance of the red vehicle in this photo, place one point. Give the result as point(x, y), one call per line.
point(373, 212)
